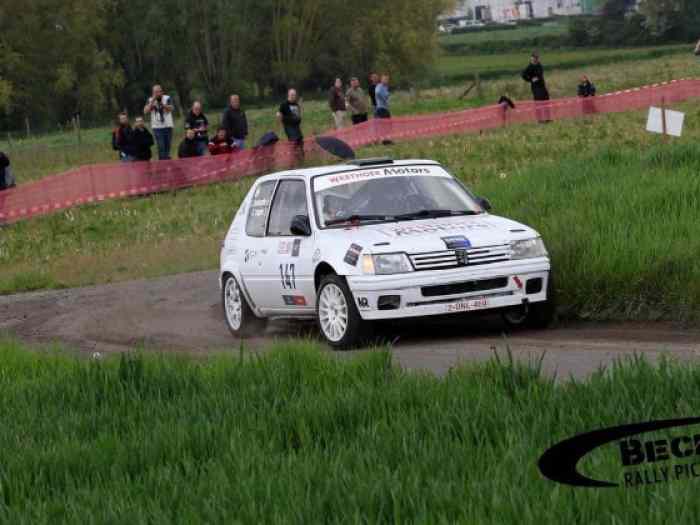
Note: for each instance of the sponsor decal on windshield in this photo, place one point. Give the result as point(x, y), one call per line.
point(340, 179)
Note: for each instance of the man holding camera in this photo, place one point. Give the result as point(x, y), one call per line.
point(161, 108)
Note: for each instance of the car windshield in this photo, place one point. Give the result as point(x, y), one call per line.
point(390, 194)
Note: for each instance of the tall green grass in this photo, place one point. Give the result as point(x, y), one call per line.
point(296, 436)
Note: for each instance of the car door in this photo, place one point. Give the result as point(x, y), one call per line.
point(253, 251)
point(287, 268)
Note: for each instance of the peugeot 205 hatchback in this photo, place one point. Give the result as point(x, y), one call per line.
point(374, 240)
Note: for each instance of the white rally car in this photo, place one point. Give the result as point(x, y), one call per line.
point(372, 240)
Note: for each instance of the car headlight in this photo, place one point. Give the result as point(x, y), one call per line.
point(386, 264)
point(529, 249)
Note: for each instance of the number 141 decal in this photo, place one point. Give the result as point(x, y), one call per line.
point(288, 277)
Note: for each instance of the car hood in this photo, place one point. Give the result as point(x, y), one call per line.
point(432, 234)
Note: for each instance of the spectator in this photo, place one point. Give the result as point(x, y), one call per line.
point(336, 101)
point(534, 75)
point(697, 49)
point(141, 140)
point(6, 179)
point(121, 138)
point(290, 114)
point(220, 144)
point(189, 147)
point(197, 121)
point(382, 97)
point(373, 81)
point(160, 107)
point(235, 122)
point(586, 88)
point(357, 102)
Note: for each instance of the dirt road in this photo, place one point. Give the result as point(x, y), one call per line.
point(183, 313)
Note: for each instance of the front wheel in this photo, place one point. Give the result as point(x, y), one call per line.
point(533, 315)
point(240, 318)
point(338, 318)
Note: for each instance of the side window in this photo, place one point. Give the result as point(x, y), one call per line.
point(290, 200)
point(255, 226)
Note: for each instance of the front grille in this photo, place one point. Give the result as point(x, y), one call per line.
point(447, 259)
point(468, 287)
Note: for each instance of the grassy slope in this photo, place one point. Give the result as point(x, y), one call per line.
point(299, 437)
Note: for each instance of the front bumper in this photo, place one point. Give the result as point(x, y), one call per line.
point(511, 280)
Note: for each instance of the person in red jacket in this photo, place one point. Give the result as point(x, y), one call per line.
point(220, 144)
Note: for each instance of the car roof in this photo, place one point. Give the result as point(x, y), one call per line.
point(308, 173)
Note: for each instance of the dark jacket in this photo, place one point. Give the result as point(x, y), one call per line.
point(141, 141)
point(539, 88)
point(586, 89)
point(121, 139)
point(336, 100)
point(236, 123)
point(4, 166)
point(372, 90)
point(188, 148)
point(195, 122)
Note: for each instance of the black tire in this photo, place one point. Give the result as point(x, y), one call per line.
point(357, 330)
point(533, 315)
point(250, 324)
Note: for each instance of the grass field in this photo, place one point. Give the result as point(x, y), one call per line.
point(509, 35)
point(297, 436)
point(456, 68)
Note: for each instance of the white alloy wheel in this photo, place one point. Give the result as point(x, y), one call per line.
point(233, 304)
point(333, 312)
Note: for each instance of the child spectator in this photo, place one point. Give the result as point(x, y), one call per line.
point(197, 121)
point(220, 144)
point(188, 147)
point(141, 140)
point(121, 138)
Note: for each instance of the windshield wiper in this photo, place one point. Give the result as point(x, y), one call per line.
point(359, 218)
point(432, 214)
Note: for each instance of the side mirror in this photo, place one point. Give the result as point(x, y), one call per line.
point(301, 226)
point(484, 203)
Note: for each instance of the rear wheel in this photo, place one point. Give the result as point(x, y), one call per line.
point(338, 318)
point(240, 318)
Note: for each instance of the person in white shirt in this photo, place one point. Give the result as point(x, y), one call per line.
point(160, 106)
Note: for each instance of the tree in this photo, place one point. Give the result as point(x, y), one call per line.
point(56, 67)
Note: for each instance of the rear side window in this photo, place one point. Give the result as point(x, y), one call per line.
point(290, 200)
point(257, 214)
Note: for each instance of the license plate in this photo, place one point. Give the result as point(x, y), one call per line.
point(467, 305)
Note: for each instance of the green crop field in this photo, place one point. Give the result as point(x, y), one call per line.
point(454, 68)
point(300, 437)
point(513, 35)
